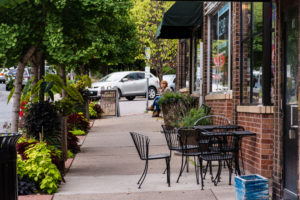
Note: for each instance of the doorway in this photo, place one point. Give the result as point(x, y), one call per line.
point(291, 37)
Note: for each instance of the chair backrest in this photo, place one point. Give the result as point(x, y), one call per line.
point(189, 137)
point(141, 143)
point(171, 136)
point(212, 120)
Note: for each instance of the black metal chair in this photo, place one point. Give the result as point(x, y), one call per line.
point(141, 143)
point(212, 120)
point(220, 151)
point(190, 147)
point(173, 143)
point(216, 121)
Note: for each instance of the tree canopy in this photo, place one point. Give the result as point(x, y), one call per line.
point(148, 16)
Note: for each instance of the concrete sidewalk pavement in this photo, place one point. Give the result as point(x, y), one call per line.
point(108, 167)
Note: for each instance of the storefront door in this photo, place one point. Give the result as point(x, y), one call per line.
point(291, 35)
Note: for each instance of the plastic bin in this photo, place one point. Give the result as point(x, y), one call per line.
point(8, 166)
point(251, 187)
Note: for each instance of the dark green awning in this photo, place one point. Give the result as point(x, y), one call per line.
point(180, 20)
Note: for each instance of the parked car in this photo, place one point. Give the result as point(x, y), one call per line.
point(11, 75)
point(3, 72)
point(129, 84)
point(171, 79)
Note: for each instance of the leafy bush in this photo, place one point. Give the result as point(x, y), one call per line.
point(191, 118)
point(73, 143)
point(65, 106)
point(26, 186)
point(70, 154)
point(40, 168)
point(78, 132)
point(78, 121)
point(95, 110)
point(170, 97)
point(93, 113)
point(41, 117)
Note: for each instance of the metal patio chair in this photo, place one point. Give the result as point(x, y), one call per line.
point(141, 143)
point(218, 120)
point(173, 143)
point(221, 150)
point(191, 146)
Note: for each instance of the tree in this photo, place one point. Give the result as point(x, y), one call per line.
point(65, 33)
point(148, 15)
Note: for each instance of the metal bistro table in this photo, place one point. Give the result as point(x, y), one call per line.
point(239, 135)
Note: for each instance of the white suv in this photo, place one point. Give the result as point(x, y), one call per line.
point(129, 84)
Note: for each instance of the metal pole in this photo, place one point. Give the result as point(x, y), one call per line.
point(147, 90)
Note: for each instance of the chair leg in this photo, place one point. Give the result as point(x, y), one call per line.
point(187, 164)
point(196, 170)
point(168, 171)
point(201, 172)
point(170, 161)
point(143, 175)
point(181, 168)
point(229, 165)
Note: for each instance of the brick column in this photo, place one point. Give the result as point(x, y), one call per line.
point(278, 121)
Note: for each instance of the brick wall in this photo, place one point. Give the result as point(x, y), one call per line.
point(258, 150)
point(221, 107)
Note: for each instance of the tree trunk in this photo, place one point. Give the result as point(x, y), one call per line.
point(41, 74)
point(62, 73)
point(18, 88)
point(35, 63)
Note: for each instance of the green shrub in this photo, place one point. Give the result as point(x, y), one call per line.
point(170, 97)
point(93, 113)
point(70, 154)
point(78, 132)
point(40, 168)
point(192, 117)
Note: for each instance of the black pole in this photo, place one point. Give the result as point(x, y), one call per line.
point(267, 53)
point(241, 53)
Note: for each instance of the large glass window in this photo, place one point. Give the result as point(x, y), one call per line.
point(252, 47)
point(221, 49)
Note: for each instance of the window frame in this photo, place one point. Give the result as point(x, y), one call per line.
point(267, 50)
point(210, 17)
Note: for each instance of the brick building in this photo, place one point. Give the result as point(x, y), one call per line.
point(245, 65)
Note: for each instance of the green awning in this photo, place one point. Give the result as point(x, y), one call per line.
point(180, 20)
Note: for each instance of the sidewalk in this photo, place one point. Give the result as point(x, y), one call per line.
point(108, 167)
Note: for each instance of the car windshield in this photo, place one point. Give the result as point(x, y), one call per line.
point(12, 72)
point(112, 77)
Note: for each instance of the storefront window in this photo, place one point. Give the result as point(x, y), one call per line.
point(253, 59)
point(253, 52)
point(221, 49)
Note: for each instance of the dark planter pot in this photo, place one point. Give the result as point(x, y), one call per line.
point(169, 114)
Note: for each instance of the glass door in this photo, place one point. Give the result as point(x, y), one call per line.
point(291, 35)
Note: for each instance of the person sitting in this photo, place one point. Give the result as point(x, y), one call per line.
point(162, 90)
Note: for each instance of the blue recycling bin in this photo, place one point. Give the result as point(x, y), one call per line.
point(251, 187)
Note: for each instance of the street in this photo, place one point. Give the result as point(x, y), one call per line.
point(137, 106)
point(5, 109)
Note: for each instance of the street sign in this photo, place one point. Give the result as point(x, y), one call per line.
point(147, 53)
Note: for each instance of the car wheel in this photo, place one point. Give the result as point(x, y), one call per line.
point(152, 93)
point(130, 98)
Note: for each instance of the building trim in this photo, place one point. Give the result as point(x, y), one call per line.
point(256, 109)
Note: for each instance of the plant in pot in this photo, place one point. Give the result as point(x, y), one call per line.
point(175, 106)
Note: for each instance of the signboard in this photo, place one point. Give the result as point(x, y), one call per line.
point(110, 102)
point(147, 72)
point(147, 53)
